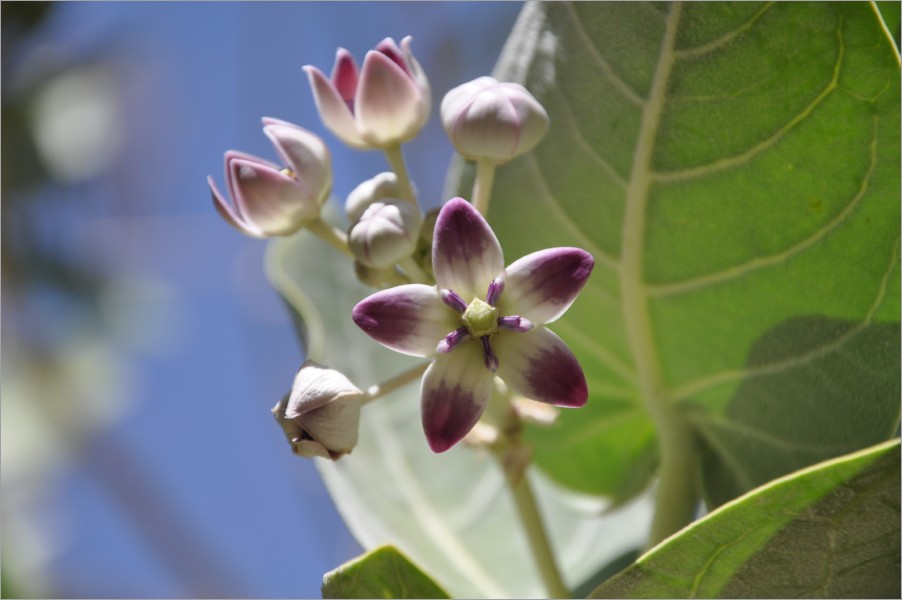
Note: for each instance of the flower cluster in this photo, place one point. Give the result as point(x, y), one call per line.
point(444, 293)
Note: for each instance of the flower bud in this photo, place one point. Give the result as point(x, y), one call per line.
point(497, 121)
point(386, 232)
point(382, 186)
point(267, 200)
point(321, 414)
point(386, 103)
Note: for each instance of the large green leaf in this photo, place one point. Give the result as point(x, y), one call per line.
point(451, 513)
point(734, 168)
point(381, 573)
point(829, 531)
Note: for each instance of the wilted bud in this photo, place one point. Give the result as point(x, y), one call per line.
point(321, 414)
point(386, 232)
point(267, 200)
point(382, 186)
point(385, 104)
point(497, 121)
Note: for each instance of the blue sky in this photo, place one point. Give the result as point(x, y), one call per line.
point(195, 347)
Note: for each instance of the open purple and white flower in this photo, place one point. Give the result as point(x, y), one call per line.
point(481, 320)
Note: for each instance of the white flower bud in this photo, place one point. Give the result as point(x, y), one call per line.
point(492, 120)
point(382, 186)
point(321, 414)
point(386, 232)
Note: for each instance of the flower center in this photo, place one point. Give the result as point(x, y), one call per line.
point(481, 321)
point(481, 318)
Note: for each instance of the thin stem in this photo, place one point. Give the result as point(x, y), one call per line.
point(676, 500)
point(378, 390)
point(482, 186)
point(335, 237)
point(395, 157)
point(413, 271)
point(534, 528)
point(513, 458)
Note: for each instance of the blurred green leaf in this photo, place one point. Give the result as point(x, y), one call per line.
point(381, 573)
point(829, 531)
point(734, 168)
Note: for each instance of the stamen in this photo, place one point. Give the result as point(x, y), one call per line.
point(453, 300)
point(495, 289)
point(488, 355)
point(453, 340)
point(514, 323)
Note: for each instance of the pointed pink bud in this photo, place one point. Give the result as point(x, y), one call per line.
point(386, 103)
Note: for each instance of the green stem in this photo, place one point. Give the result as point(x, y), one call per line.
point(677, 496)
point(335, 237)
point(395, 157)
point(534, 528)
point(374, 392)
point(482, 186)
point(513, 458)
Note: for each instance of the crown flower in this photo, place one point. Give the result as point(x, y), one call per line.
point(481, 320)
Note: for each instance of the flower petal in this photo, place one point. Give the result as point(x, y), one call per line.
point(227, 212)
point(389, 108)
point(304, 152)
point(344, 75)
point(540, 366)
point(466, 255)
point(335, 425)
point(456, 388)
point(410, 319)
point(315, 386)
point(416, 71)
point(332, 109)
point(268, 199)
point(541, 286)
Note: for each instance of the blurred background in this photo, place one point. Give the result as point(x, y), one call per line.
point(142, 347)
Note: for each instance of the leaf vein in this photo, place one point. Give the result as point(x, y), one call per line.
point(628, 92)
point(739, 159)
point(555, 209)
point(706, 382)
point(754, 264)
point(584, 144)
point(725, 39)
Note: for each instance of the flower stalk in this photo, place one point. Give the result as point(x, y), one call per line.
point(395, 157)
point(334, 237)
point(378, 390)
point(514, 457)
point(482, 186)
